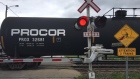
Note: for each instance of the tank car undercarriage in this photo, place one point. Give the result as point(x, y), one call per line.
point(20, 65)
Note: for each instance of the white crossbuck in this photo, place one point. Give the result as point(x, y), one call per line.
point(89, 3)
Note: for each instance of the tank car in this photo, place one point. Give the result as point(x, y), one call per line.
point(56, 36)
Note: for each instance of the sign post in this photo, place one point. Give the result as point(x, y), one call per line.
point(126, 36)
point(87, 5)
point(127, 68)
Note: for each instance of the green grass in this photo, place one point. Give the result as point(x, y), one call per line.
point(81, 77)
point(118, 75)
point(132, 75)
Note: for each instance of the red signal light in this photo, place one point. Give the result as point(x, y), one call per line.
point(84, 17)
point(81, 22)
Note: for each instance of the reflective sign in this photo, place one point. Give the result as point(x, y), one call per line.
point(89, 3)
point(126, 52)
point(126, 35)
point(89, 34)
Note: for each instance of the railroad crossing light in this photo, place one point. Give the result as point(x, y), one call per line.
point(81, 22)
point(98, 22)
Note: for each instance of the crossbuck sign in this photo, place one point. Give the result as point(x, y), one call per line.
point(89, 3)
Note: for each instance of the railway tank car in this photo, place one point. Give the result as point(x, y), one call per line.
point(41, 36)
point(24, 36)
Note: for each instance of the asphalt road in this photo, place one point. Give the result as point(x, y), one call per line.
point(44, 71)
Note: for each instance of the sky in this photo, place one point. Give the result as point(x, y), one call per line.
point(61, 8)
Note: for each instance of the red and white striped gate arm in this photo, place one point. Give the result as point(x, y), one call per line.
point(40, 60)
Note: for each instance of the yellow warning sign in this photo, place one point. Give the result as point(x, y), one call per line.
point(126, 35)
point(126, 52)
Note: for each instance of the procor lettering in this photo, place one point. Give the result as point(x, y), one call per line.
point(38, 32)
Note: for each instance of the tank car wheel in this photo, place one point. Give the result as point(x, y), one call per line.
point(39, 63)
point(16, 65)
point(31, 65)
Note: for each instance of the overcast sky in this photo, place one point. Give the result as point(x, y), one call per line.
point(61, 8)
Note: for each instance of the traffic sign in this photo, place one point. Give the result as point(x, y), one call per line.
point(126, 52)
point(126, 35)
point(89, 3)
point(91, 34)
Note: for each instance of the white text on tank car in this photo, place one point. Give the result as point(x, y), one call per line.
point(38, 32)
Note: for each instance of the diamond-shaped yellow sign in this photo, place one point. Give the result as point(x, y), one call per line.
point(126, 35)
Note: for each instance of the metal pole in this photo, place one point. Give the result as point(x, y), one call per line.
point(127, 67)
point(113, 12)
point(89, 38)
point(6, 11)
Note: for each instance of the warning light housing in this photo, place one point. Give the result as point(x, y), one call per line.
point(81, 22)
point(100, 21)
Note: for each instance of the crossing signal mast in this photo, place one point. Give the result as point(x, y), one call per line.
point(93, 51)
point(91, 23)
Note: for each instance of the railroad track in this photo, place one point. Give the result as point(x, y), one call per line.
point(109, 70)
point(113, 62)
point(100, 64)
point(113, 67)
point(109, 64)
point(116, 69)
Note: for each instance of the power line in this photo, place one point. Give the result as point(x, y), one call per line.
point(13, 12)
point(3, 3)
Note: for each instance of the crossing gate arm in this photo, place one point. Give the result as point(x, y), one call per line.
point(40, 60)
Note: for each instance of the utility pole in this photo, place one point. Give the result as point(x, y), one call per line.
point(6, 11)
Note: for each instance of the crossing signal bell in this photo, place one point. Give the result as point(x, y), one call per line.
point(81, 22)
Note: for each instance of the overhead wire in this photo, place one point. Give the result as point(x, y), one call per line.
point(13, 12)
point(9, 9)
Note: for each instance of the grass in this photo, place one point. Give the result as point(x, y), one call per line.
point(132, 75)
point(117, 76)
point(81, 77)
